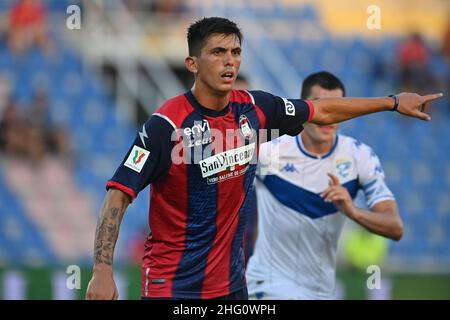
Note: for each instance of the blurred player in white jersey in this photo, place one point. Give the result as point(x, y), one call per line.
point(304, 194)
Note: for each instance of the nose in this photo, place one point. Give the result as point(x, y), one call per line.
point(229, 59)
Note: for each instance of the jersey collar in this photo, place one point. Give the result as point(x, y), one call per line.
point(303, 150)
point(205, 111)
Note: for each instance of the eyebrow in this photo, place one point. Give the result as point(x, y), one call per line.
point(224, 49)
point(218, 49)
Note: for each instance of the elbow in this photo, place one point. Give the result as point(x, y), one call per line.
point(120, 197)
point(397, 231)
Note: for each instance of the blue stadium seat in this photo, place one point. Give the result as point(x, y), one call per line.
point(18, 232)
point(60, 6)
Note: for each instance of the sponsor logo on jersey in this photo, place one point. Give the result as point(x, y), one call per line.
point(245, 128)
point(197, 135)
point(289, 167)
point(378, 169)
point(226, 175)
point(343, 166)
point(227, 160)
point(289, 107)
point(137, 158)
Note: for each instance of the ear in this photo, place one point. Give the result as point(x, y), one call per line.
point(191, 64)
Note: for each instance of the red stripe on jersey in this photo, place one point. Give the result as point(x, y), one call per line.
point(241, 96)
point(246, 97)
point(261, 117)
point(311, 110)
point(168, 220)
point(130, 192)
point(217, 273)
point(168, 217)
point(176, 109)
point(262, 121)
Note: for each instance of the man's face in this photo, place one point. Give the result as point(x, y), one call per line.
point(322, 133)
point(219, 62)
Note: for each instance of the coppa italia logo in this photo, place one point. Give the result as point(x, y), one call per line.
point(137, 158)
point(138, 155)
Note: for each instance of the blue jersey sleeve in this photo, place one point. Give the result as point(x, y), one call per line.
point(148, 159)
point(287, 115)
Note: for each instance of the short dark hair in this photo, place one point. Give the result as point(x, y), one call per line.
point(324, 80)
point(202, 29)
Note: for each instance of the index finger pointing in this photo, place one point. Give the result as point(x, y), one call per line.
point(432, 97)
point(334, 180)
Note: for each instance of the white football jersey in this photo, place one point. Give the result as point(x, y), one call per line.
point(295, 252)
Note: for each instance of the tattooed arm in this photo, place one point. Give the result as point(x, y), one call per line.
point(102, 285)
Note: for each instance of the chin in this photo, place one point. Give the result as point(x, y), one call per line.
point(328, 134)
point(224, 88)
point(325, 137)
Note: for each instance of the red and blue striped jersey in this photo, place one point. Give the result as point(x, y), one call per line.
point(201, 165)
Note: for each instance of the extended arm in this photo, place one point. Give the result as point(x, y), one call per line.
point(102, 284)
point(334, 110)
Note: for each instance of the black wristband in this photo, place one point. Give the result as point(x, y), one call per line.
point(395, 108)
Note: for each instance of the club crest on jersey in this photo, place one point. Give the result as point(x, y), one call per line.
point(137, 158)
point(197, 135)
point(245, 128)
point(343, 167)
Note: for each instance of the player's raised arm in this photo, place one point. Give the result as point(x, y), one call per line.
point(334, 110)
point(102, 285)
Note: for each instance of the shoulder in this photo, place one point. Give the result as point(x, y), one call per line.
point(281, 144)
point(174, 110)
point(355, 146)
point(242, 96)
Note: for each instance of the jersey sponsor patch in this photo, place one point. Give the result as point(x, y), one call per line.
point(226, 175)
point(137, 158)
point(197, 135)
point(289, 107)
point(227, 160)
point(289, 167)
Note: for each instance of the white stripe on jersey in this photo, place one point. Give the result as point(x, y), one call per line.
point(251, 96)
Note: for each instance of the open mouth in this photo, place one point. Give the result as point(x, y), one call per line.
point(228, 75)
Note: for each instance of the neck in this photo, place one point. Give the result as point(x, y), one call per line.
point(314, 147)
point(210, 99)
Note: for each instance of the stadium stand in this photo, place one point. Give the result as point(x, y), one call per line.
point(415, 155)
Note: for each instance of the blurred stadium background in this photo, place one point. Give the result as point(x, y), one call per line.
point(71, 100)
